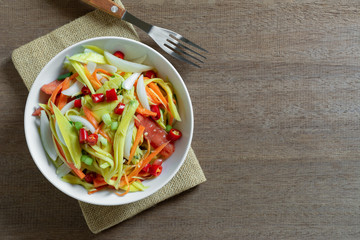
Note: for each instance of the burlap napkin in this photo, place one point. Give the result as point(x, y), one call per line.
point(32, 57)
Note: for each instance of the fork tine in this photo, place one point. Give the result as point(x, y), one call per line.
point(178, 56)
point(175, 46)
point(176, 43)
point(179, 37)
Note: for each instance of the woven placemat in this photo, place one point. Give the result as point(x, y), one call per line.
point(32, 57)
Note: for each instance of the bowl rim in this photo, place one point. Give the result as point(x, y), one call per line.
point(28, 126)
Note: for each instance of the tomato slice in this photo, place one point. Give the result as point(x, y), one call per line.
point(50, 87)
point(155, 134)
point(37, 112)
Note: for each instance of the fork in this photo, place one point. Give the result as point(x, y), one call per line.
point(170, 41)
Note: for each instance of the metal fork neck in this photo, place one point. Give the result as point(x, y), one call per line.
point(137, 22)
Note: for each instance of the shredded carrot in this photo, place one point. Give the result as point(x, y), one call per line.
point(128, 188)
point(94, 82)
point(152, 95)
point(63, 98)
point(144, 111)
point(171, 119)
point(75, 75)
point(148, 148)
point(90, 116)
point(103, 71)
point(97, 189)
point(54, 94)
point(147, 160)
point(78, 172)
point(136, 142)
point(102, 133)
point(100, 70)
point(99, 128)
point(144, 157)
point(157, 90)
point(57, 100)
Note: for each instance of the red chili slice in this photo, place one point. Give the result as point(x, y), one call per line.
point(174, 134)
point(92, 139)
point(77, 103)
point(119, 54)
point(158, 161)
point(111, 95)
point(85, 90)
point(146, 168)
point(150, 74)
point(98, 97)
point(119, 108)
point(155, 109)
point(89, 177)
point(83, 135)
point(155, 170)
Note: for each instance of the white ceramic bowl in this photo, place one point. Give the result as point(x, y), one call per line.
point(132, 49)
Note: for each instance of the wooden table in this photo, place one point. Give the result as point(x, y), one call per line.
point(277, 109)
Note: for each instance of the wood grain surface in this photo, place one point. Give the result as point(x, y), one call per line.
point(277, 109)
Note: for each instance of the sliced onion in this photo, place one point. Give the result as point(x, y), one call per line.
point(101, 78)
point(84, 122)
point(73, 89)
point(129, 82)
point(63, 170)
point(140, 90)
point(124, 65)
point(58, 132)
point(46, 136)
point(68, 106)
point(91, 66)
point(110, 68)
point(128, 139)
point(139, 59)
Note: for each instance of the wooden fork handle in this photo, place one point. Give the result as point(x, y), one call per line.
point(107, 6)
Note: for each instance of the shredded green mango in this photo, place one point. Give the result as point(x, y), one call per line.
point(135, 187)
point(58, 162)
point(75, 180)
point(45, 107)
point(99, 153)
point(119, 139)
point(139, 186)
point(80, 70)
point(70, 136)
point(114, 82)
point(169, 94)
point(161, 121)
point(94, 48)
point(127, 74)
point(128, 95)
point(89, 57)
point(55, 136)
point(103, 108)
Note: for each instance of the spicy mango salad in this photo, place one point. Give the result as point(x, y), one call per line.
point(108, 122)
